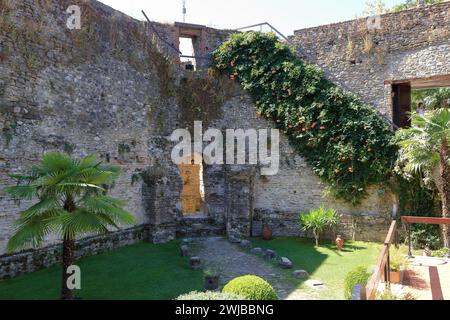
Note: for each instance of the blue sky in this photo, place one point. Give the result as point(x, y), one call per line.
point(286, 15)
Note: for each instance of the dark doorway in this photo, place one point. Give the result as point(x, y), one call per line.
point(401, 101)
point(413, 95)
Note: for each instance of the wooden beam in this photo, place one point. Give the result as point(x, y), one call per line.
point(442, 80)
point(425, 220)
point(391, 234)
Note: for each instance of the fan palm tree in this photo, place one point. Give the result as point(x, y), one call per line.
point(425, 149)
point(71, 202)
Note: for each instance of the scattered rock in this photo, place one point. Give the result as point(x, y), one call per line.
point(315, 284)
point(256, 251)
point(285, 263)
point(300, 274)
point(184, 251)
point(245, 244)
point(234, 239)
point(195, 263)
point(270, 254)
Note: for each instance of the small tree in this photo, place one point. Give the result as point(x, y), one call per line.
point(71, 202)
point(318, 220)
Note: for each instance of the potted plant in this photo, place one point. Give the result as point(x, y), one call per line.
point(398, 262)
point(267, 233)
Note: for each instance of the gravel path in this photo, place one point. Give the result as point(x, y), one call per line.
point(234, 262)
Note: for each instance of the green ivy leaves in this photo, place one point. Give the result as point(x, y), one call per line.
point(348, 145)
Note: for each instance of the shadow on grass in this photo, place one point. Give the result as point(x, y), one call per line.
point(138, 272)
point(323, 263)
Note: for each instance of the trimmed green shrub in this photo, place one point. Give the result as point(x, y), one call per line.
point(210, 295)
point(346, 142)
point(251, 287)
point(357, 276)
point(441, 253)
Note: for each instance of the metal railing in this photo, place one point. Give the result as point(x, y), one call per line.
point(281, 35)
point(170, 45)
point(167, 43)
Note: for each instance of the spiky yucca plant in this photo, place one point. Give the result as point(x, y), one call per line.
point(425, 150)
point(318, 220)
point(71, 202)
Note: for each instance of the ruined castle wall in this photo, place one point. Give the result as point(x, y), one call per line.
point(110, 89)
point(361, 57)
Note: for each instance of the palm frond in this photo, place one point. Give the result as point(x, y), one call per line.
point(32, 230)
point(113, 208)
point(80, 222)
point(56, 162)
point(26, 192)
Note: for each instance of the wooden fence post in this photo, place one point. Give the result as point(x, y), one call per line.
point(359, 292)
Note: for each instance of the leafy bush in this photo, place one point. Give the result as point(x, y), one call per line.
point(425, 236)
point(441, 253)
point(210, 295)
point(398, 258)
point(317, 220)
point(389, 295)
point(357, 276)
point(347, 143)
point(251, 287)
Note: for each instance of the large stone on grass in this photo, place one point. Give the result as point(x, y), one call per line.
point(315, 284)
point(234, 239)
point(184, 251)
point(270, 254)
point(245, 244)
point(300, 274)
point(285, 263)
point(195, 263)
point(258, 251)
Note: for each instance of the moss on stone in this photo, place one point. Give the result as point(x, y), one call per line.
point(201, 97)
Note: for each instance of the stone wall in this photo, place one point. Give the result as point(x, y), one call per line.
point(361, 57)
point(32, 260)
point(111, 88)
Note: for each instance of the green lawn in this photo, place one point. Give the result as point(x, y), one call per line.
point(143, 272)
point(324, 263)
point(156, 272)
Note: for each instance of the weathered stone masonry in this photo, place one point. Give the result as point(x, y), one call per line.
point(407, 45)
point(107, 89)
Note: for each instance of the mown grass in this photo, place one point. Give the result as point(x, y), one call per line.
point(157, 272)
point(323, 263)
point(142, 272)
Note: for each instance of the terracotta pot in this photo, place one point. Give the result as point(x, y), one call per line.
point(339, 243)
point(395, 277)
point(267, 233)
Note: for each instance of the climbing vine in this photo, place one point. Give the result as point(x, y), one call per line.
point(347, 143)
